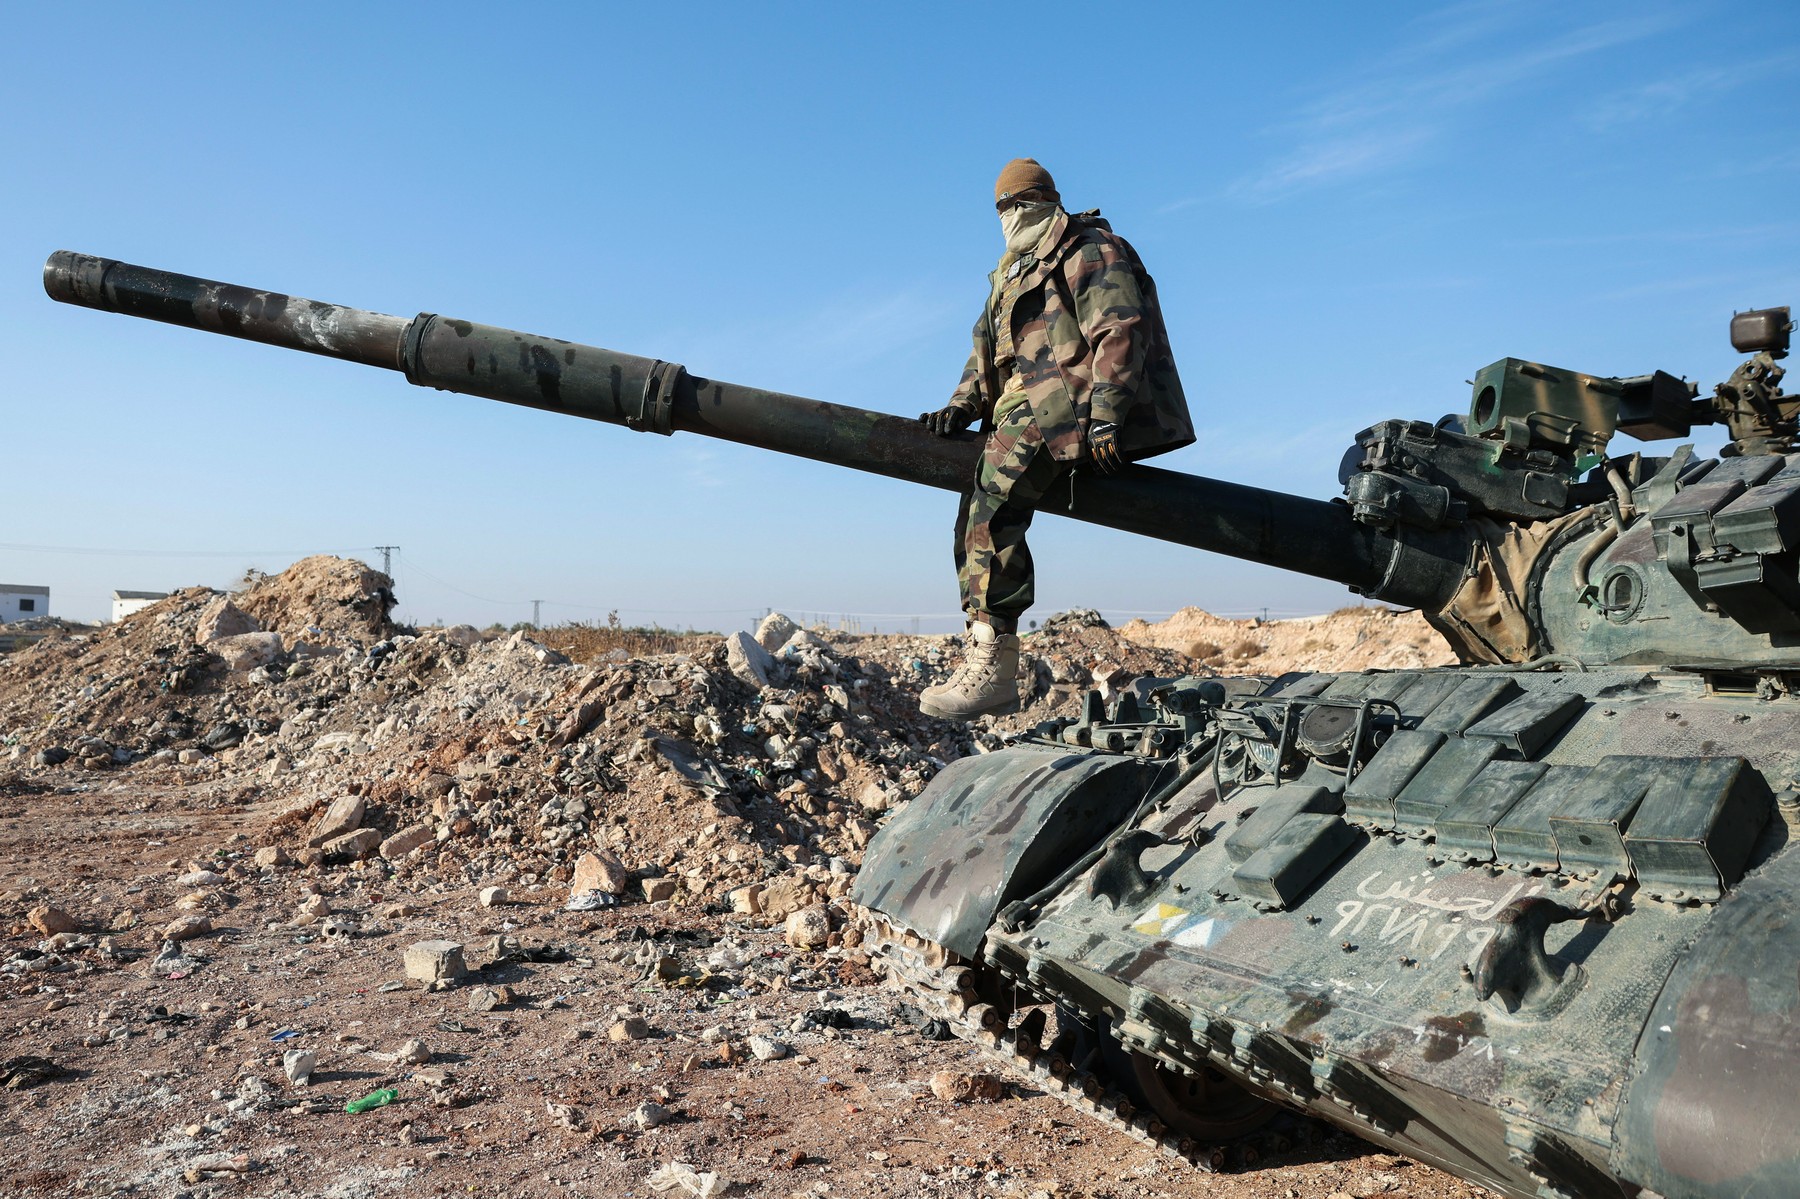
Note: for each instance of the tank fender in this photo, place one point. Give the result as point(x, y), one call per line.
point(995, 827)
point(1709, 1109)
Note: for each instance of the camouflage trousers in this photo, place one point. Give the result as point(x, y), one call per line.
point(993, 563)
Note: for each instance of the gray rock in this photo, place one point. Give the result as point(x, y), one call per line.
point(186, 928)
point(808, 928)
point(748, 660)
point(767, 1049)
point(223, 735)
point(298, 1065)
point(648, 1115)
point(774, 631)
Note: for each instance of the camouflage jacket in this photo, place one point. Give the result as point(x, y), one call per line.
point(1090, 346)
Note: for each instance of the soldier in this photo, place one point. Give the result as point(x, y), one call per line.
point(1071, 368)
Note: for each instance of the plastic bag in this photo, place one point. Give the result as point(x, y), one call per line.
point(685, 1180)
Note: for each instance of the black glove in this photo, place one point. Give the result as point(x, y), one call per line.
point(948, 420)
point(1103, 447)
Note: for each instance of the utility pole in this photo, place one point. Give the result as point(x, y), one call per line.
point(534, 613)
point(387, 552)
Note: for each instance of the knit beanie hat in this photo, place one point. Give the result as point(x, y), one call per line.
point(1024, 174)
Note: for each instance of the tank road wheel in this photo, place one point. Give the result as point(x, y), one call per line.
point(1207, 1106)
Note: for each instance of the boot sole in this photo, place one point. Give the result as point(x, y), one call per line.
point(1005, 709)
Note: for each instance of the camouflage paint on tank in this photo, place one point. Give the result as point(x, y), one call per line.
point(1256, 524)
point(1581, 409)
point(992, 827)
point(1359, 1000)
point(1710, 1108)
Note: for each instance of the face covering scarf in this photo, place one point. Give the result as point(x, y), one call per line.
point(1025, 224)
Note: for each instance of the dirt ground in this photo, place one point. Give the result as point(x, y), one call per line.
point(206, 944)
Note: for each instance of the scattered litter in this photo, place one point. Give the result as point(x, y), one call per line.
point(18, 1073)
point(373, 1099)
point(681, 1177)
point(171, 962)
point(566, 1115)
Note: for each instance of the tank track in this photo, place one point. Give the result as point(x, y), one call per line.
point(962, 994)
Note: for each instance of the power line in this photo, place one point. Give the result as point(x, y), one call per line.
point(129, 553)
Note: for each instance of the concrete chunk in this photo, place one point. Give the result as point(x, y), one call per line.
point(221, 619)
point(433, 961)
point(345, 815)
point(407, 840)
point(359, 844)
point(247, 651)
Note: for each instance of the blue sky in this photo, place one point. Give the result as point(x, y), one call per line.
point(1348, 208)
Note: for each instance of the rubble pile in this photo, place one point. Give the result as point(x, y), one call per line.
point(308, 903)
point(748, 775)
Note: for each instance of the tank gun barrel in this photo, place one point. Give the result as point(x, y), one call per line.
point(1291, 532)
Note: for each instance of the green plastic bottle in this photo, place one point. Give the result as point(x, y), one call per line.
point(373, 1099)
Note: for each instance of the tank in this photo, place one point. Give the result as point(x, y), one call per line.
point(1531, 919)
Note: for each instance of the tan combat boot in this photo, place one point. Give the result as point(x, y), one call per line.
point(987, 681)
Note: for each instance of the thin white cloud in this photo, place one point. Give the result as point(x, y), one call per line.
point(1327, 161)
point(1380, 122)
point(1736, 281)
point(848, 331)
point(1749, 235)
point(1301, 459)
point(701, 465)
point(1663, 97)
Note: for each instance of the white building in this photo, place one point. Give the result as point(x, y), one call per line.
point(127, 602)
point(19, 602)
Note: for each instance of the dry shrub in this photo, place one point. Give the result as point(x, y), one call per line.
point(589, 642)
point(1246, 648)
point(1204, 650)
